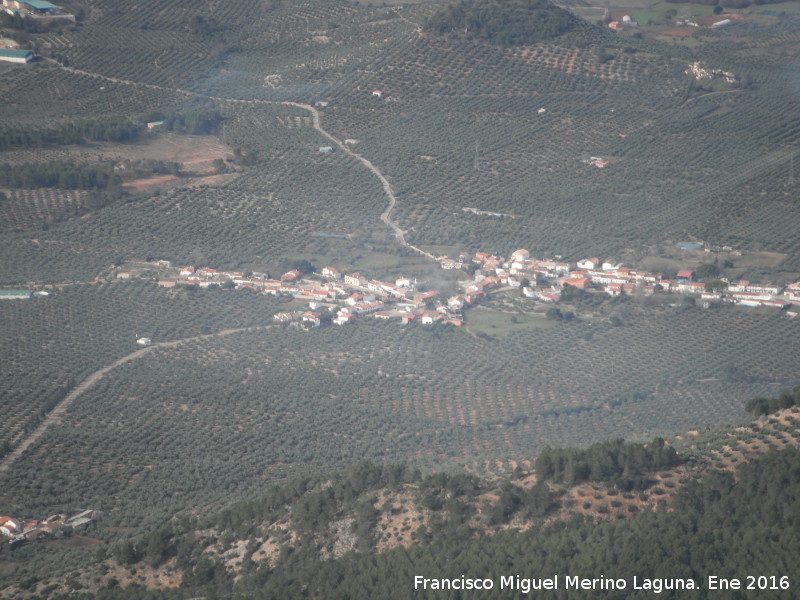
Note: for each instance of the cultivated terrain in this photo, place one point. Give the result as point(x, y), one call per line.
point(261, 138)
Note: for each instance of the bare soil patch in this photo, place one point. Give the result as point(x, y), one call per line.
point(679, 31)
point(144, 183)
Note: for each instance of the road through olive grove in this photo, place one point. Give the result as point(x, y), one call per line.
point(61, 408)
point(399, 234)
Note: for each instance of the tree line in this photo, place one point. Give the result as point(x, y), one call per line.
point(620, 463)
point(109, 129)
point(765, 406)
point(503, 22)
point(61, 174)
point(202, 120)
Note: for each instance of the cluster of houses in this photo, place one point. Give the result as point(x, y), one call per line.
point(19, 531)
point(338, 298)
point(545, 280)
point(334, 297)
point(698, 71)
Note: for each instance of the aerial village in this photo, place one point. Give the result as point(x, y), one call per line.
point(343, 298)
point(18, 531)
point(38, 11)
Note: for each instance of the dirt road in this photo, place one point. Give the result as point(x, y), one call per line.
point(399, 234)
point(60, 409)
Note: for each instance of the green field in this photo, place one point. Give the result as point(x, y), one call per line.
point(493, 322)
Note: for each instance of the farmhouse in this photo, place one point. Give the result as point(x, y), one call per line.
point(16, 56)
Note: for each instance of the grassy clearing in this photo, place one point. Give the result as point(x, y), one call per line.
point(694, 10)
point(377, 260)
point(493, 322)
point(760, 259)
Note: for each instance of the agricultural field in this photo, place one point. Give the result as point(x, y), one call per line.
point(41, 207)
point(457, 123)
point(52, 343)
point(462, 123)
point(272, 405)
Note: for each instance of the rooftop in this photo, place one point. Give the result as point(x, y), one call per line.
point(15, 53)
point(40, 4)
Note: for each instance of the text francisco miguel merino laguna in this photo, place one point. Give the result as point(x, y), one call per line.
point(556, 582)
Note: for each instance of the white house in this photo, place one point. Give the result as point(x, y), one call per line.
point(330, 273)
point(588, 264)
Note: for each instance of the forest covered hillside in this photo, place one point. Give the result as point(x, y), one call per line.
point(622, 511)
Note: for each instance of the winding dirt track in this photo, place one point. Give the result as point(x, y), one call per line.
point(56, 414)
point(399, 234)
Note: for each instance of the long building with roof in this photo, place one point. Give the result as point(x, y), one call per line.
point(16, 56)
point(35, 8)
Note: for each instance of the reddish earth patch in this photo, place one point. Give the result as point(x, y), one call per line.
point(141, 184)
point(679, 31)
point(711, 19)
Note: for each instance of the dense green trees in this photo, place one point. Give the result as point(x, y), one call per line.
point(503, 22)
point(725, 525)
point(108, 129)
point(617, 462)
point(764, 406)
point(60, 174)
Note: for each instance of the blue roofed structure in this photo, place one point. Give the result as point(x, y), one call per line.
point(41, 5)
point(17, 56)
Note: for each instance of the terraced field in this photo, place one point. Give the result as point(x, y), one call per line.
point(263, 406)
point(460, 124)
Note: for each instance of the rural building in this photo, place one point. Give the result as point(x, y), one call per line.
point(377, 93)
point(144, 341)
point(520, 254)
point(685, 275)
point(16, 56)
point(589, 264)
point(35, 9)
point(155, 125)
point(8, 526)
point(14, 294)
point(326, 149)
